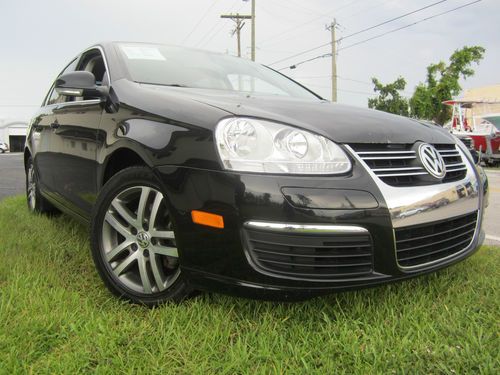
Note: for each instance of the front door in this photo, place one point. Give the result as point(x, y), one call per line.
point(77, 124)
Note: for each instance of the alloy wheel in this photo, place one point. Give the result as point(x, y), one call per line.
point(138, 241)
point(31, 187)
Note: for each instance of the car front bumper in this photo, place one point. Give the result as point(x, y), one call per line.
point(326, 209)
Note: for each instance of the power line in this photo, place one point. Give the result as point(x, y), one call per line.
point(349, 91)
point(393, 19)
point(330, 76)
point(300, 53)
point(213, 32)
point(298, 6)
point(364, 10)
point(409, 25)
point(210, 32)
point(361, 31)
point(341, 78)
point(293, 66)
point(306, 61)
point(238, 19)
point(200, 20)
point(308, 22)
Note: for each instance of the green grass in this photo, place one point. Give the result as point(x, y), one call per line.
point(57, 317)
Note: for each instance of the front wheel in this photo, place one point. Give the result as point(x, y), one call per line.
point(133, 240)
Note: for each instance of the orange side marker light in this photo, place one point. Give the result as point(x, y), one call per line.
point(208, 219)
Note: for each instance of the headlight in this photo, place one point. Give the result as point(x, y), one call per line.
point(250, 145)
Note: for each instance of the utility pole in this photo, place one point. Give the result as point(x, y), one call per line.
point(332, 28)
point(253, 30)
point(239, 25)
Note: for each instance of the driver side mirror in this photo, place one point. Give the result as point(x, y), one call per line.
point(80, 83)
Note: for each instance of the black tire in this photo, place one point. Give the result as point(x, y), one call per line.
point(36, 202)
point(124, 190)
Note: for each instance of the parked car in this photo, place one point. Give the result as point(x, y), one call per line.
point(4, 147)
point(202, 171)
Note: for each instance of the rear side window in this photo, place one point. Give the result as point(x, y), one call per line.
point(54, 97)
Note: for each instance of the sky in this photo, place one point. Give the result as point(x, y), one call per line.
point(38, 38)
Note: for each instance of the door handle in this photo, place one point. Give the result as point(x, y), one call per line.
point(54, 125)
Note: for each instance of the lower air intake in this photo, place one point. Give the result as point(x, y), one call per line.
point(311, 256)
point(421, 244)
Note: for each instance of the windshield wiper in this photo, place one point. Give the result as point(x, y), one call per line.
point(163, 84)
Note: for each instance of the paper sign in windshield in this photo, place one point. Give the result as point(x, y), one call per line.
point(143, 53)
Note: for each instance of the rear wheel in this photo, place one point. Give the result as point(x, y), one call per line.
point(133, 240)
point(36, 202)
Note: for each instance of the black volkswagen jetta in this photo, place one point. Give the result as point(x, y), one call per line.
point(199, 170)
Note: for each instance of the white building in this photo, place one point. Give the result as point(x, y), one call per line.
point(13, 132)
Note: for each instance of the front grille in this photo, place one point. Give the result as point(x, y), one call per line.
point(398, 165)
point(311, 256)
point(426, 243)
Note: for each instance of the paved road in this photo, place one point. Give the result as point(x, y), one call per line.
point(12, 183)
point(11, 174)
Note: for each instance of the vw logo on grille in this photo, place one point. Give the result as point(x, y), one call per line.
point(432, 160)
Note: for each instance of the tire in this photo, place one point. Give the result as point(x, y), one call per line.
point(36, 202)
point(133, 240)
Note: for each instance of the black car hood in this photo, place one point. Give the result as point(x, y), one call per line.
point(341, 123)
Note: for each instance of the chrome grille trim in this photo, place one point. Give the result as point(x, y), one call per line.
point(385, 152)
point(387, 157)
point(418, 204)
point(402, 163)
point(396, 169)
point(402, 174)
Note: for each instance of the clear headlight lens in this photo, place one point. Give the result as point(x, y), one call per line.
point(250, 145)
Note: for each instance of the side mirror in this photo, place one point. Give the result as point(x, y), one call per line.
point(80, 83)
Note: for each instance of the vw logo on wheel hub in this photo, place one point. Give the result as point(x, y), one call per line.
point(432, 160)
point(143, 239)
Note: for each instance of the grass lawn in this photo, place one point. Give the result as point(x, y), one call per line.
point(57, 317)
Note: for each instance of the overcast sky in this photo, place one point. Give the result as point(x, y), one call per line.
point(38, 38)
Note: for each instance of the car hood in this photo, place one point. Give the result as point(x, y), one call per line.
point(341, 123)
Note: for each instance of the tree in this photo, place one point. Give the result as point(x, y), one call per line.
point(443, 83)
point(389, 98)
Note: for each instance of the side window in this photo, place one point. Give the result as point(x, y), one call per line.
point(54, 97)
point(92, 61)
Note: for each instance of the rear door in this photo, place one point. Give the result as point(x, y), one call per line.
point(75, 141)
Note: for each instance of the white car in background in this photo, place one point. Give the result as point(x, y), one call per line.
point(4, 147)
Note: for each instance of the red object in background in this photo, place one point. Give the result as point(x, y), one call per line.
point(479, 142)
point(495, 143)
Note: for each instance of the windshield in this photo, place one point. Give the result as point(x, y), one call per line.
point(182, 67)
point(495, 120)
